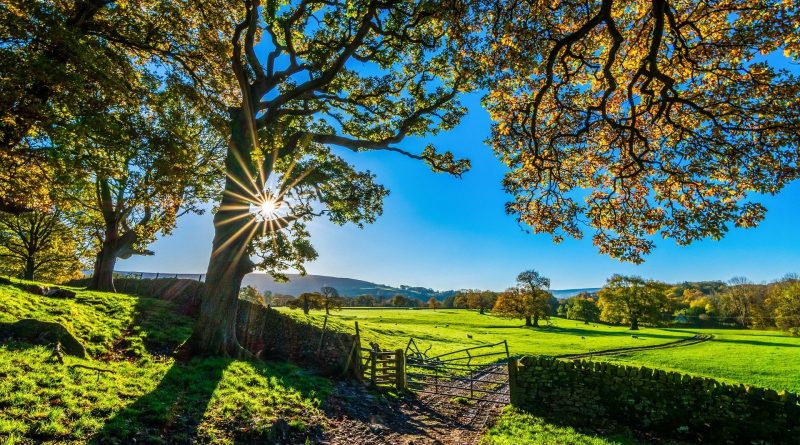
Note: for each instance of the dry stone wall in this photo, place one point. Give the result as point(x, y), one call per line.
point(672, 405)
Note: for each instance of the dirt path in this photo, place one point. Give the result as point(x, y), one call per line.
point(427, 417)
point(362, 417)
point(697, 338)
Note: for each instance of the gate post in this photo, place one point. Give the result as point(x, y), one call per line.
point(400, 369)
point(513, 389)
point(373, 365)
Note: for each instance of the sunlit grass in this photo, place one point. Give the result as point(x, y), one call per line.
point(516, 427)
point(769, 359)
point(145, 398)
point(448, 329)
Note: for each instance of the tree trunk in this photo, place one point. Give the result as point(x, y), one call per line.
point(527, 320)
point(480, 311)
point(103, 276)
point(215, 330)
point(634, 324)
point(30, 268)
point(536, 321)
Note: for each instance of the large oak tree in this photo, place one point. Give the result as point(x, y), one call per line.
point(313, 75)
point(640, 118)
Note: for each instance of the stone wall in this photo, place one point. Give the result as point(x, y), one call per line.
point(272, 335)
point(669, 404)
point(261, 330)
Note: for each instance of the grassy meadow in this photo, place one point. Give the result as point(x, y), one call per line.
point(762, 358)
point(147, 397)
point(444, 330)
point(769, 359)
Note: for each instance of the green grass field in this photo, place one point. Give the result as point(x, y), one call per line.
point(445, 330)
point(150, 397)
point(762, 358)
point(147, 396)
point(769, 359)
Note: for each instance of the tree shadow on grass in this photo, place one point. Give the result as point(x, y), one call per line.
point(171, 412)
point(758, 343)
point(174, 411)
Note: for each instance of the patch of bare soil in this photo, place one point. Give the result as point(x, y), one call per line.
point(362, 416)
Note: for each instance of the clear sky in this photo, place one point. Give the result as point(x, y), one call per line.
point(446, 233)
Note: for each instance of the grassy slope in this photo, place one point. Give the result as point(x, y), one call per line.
point(147, 395)
point(517, 427)
point(762, 358)
point(446, 330)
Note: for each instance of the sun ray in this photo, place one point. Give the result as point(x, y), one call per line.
point(233, 237)
point(244, 187)
point(297, 180)
point(235, 218)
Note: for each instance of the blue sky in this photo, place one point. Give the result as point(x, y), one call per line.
point(447, 233)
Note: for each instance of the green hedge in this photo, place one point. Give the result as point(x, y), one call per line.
point(672, 405)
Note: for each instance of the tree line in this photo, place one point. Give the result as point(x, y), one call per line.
point(737, 303)
point(120, 117)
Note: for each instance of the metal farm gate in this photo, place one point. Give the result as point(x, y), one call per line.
point(478, 373)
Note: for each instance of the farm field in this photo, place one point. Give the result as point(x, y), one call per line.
point(762, 358)
point(769, 359)
point(444, 330)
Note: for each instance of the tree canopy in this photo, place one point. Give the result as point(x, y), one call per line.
point(631, 300)
point(61, 59)
point(633, 119)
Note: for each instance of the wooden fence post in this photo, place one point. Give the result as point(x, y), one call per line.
point(513, 388)
point(400, 370)
point(373, 365)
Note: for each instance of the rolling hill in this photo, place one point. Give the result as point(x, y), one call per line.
point(347, 287)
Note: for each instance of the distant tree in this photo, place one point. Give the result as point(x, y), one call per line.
point(251, 294)
point(330, 299)
point(399, 301)
point(629, 299)
point(460, 300)
point(281, 300)
point(40, 246)
point(433, 303)
point(787, 307)
point(365, 301)
point(480, 300)
point(583, 309)
point(514, 303)
point(449, 302)
point(740, 300)
point(535, 285)
point(307, 301)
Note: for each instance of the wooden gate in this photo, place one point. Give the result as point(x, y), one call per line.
point(384, 368)
point(475, 373)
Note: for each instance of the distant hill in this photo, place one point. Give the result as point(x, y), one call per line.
point(347, 287)
point(566, 293)
point(350, 287)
